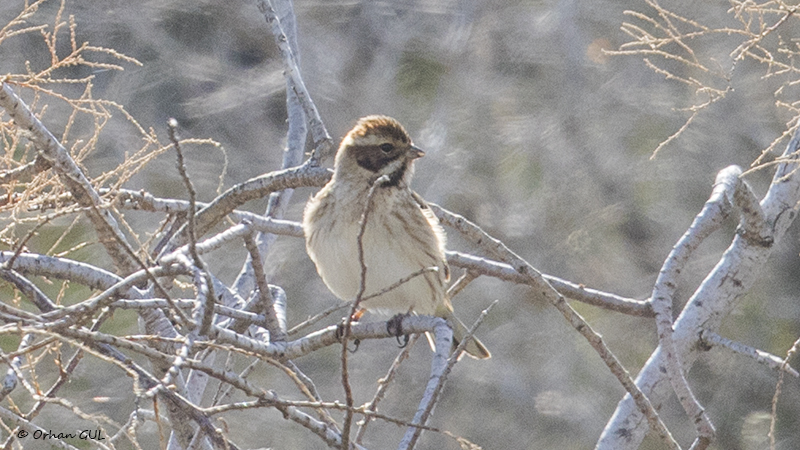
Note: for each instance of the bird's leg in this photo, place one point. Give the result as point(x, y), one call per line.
point(395, 326)
point(359, 314)
point(340, 328)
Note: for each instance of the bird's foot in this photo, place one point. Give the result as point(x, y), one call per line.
point(340, 329)
point(394, 326)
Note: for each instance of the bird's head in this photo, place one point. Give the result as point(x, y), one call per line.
point(376, 146)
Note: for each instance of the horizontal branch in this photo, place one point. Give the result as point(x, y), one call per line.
point(28, 170)
point(32, 264)
point(569, 289)
point(147, 202)
point(772, 361)
point(252, 189)
point(323, 338)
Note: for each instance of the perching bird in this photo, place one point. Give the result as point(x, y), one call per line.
point(401, 236)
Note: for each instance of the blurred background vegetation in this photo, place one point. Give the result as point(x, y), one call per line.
point(531, 131)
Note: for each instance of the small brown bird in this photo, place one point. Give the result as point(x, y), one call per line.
point(401, 236)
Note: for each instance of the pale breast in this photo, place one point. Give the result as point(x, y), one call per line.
point(398, 241)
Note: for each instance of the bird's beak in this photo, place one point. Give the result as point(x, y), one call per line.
point(415, 152)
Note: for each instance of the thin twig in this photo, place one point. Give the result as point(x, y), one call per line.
point(383, 386)
point(348, 321)
point(316, 318)
point(774, 413)
point(466, 278)
point(207, 304)
point(276, 327)
point(768, 359)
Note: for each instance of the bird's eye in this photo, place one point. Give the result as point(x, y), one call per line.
point(386, 148)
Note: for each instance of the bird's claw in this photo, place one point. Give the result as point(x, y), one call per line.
point(340, 335)
point(394, 326)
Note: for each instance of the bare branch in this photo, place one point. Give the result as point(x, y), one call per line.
point(431, 395)
point(348, 321)
point(443, 338)
point(322, 140)
point(205, 288)
point(707, 221)
point(768, 359)
point(295, 135)
point(82, 190)
point(383, 386)
point(252, 189)
point(39, 164)
point(276, 318)
point(503, 271)
point(774, 414)
point(733, 275)
point(494, 246)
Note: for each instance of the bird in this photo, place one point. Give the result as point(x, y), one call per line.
point(401, 235)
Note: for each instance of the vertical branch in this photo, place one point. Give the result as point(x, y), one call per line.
point(295, 142)
point(277, 327)
point(437, 380)
point(323, 144)
point(707, 221)
point(206, 307)
point(440, 366)
point(348, 321)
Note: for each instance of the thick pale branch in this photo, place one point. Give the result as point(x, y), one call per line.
point(64, 269)
point(443, 337)
point(733, 276)
point(322, 338)
point(707, 221)
point(503, 271)
point(438, 377)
